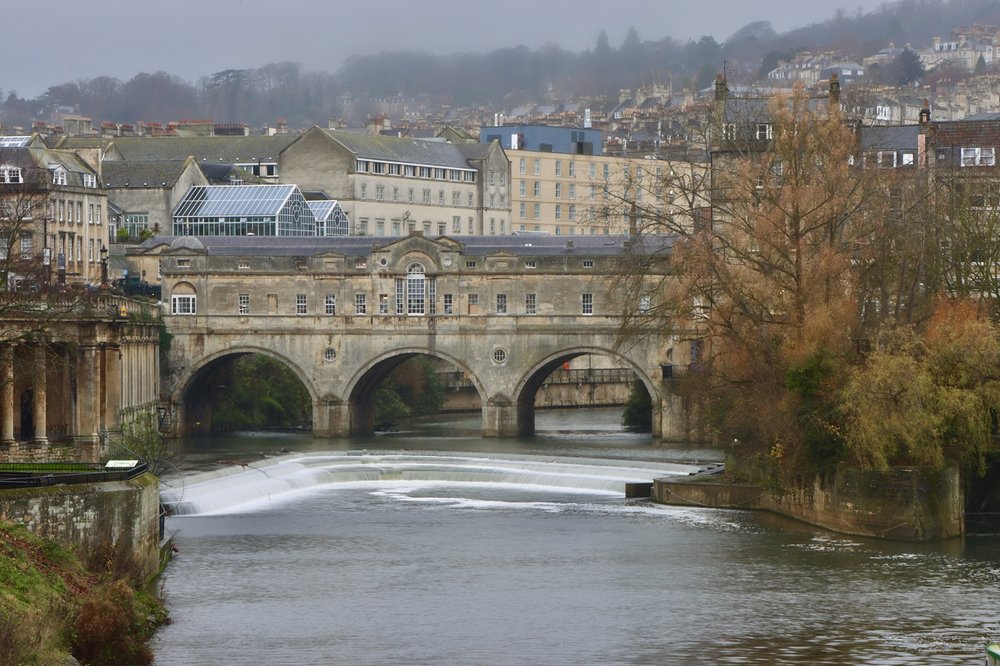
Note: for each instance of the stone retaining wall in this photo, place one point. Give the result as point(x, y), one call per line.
point(89, 517)
point(904, 504)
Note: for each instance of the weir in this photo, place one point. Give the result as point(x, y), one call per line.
point(244, 487)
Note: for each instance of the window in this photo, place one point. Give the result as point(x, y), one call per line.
point(558, 190)
point(572, 190)
point(499, 356)
point(529, 263)
point(536, 189)
point(587, 303)
point(521, 166)
point(537, 211)
point(523, 188)
point(474, 300)
point(645, 302)
point(11, 174)
point(90, 214)
point(426, 196)
point(472, 201)
point(364, 190)
point(978, 157)
point(729, 131)
point(588, 263)
point(440, 197)
point(360, 304)
point(409, 195)
point(89, 180)
point(26, 245)
point(59, 176)
point(415, 289)
point(383, 304)
point(530, 304)
point(300, 304)
point(380, 193)
point(448, 304)
point(538, 167)
point(243, 304)
point(501, 303)
point(362, 166)
point(558, 211)
point(559, 167)
point(183, 304)
point(765, 132)
point(572, 211)
point(572, 169)
point(331, 304)
point(470, 264)
point(592, 170)
point(522, 210)
point(456, 199)
point(456, 224)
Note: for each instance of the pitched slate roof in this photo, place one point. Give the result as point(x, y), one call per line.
point(361, 246)
point(212, 149)
point(146, 174)
point(901, 137)
point(403, 151)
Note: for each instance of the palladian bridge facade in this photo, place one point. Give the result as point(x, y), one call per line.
point(341, 313)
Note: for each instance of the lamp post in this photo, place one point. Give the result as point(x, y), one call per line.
point(104, 266)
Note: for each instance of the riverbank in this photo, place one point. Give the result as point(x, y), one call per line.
point(56, 608)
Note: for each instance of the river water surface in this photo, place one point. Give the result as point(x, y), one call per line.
point(438, 547)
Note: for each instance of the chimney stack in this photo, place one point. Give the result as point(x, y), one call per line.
point(834, 90)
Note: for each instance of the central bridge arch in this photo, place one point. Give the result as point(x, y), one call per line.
point(361, 387)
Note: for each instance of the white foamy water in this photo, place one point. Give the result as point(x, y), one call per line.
point(247, 487)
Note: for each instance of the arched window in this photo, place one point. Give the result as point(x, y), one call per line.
point(415, 295)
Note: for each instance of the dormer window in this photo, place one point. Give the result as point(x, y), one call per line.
point(765, 132)
point(10, 174)
point(89, 180)
point(59, 176)
point(729, 131)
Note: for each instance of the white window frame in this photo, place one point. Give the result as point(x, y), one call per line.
point(360, 304)
point(330, 304)
point(183, 304)
point(243, 304)
point(530, 304)
point(587, 303)
point(301, 304)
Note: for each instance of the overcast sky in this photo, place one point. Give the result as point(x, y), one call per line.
point(194, 38)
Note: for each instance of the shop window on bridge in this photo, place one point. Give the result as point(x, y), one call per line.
point(530, 304)
point(587, 301)
point(448, 304)
point(331, 304)
point(501, 304)
point(183, 304)
point(243, 304)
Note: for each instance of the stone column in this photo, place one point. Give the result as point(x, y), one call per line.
point(110, 388)
point(86, 394)
point(7, 395)
point(41, 404)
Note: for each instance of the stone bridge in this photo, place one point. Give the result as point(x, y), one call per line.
point(343, 312)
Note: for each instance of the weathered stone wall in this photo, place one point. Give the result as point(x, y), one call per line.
point(904, 504)
point(90, 516)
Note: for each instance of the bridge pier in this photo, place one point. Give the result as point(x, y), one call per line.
point(331, 419)
point(500, 417)
point(671, 426)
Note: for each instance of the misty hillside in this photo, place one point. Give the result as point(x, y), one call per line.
point(496, 80)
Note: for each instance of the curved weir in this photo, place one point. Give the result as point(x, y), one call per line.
point(242, 486)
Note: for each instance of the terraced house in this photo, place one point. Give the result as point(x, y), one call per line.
point(53, 207)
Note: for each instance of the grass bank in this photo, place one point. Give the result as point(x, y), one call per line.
point(55, 604)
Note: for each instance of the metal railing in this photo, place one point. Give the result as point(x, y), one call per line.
point(36, 475)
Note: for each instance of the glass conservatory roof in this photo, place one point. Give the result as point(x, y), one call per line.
point(234, 200)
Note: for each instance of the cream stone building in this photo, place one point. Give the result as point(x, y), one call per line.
point(389, 186)
point(54, 207)
point(567, 194)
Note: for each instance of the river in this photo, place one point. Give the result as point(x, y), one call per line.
point(435, 546)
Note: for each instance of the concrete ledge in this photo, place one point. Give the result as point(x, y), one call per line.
point(908, 504)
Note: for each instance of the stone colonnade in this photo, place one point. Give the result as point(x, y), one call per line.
point(64, 392)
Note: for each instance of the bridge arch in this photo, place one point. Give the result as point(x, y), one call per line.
point(529, 383)
point(192, 415)
point(360, 388)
